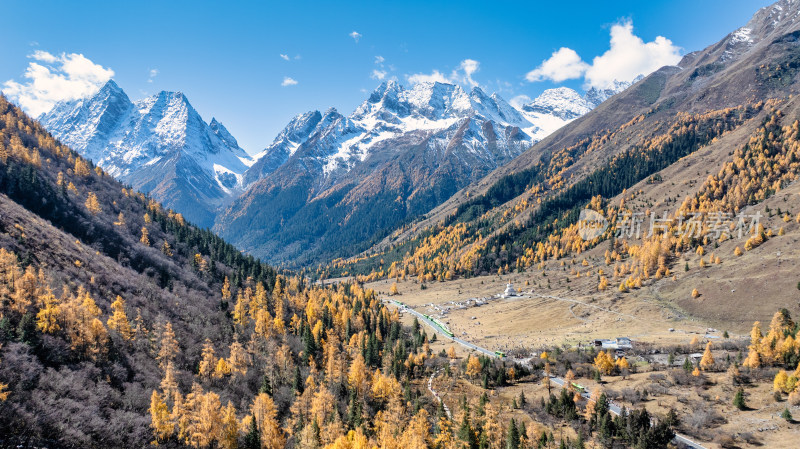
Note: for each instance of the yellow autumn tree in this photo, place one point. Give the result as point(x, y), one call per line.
point(160, 419)
point(145, 239)
point(119, 319)
point(622, 363)
point(168, 349)
point(240, 316)
point(3, 387)
point(780, 381)
point(264, 412)
point(81, 168)
point(207, 360)
point(417, 433)
point(48, 317)
point(753, 360)
point(473, 366)
point(707, 362)
point(229, 432)
point(222, 369)
point(226, 289)
point(204, 419)
point(239, 359)
point(356, 376)
point(604, 362)
point(92, 204)
point(166, 249)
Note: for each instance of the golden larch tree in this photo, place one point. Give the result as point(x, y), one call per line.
point(473, 366)
point(604, 362)
point(229, 437)
point(264, 412)
point(207, 360)
point(166, 249)
point(160, 419)
point(47, 319)
point(118, 320)
point(92, 204)
point(707, 362)
point(226, 289)
point(168, 349)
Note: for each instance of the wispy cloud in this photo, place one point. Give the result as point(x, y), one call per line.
point(461, 75)
point(519, 101)
point(284, 57)
point(355, 35)
point(287, 81)
point(628, 56)
point(153, 74)
point(435, 76)
point(379, 60)
point(53, 78)
point(562, 65)
point(378, 74)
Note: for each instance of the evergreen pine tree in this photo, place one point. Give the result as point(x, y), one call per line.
point(738, 400)
point(252, 439)
point(266, 387)
point(297, 381)
point(512, 439)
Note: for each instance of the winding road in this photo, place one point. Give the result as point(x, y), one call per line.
point(680, 440)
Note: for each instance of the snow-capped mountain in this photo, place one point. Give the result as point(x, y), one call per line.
point(392, 111)
point(595, 96)
point(318, 187)
point(159, 145)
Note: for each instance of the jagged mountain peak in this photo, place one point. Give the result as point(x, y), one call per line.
point(159, 144)
point(596, 95)
point(222, 132)
point(111, 88)
point(781, 14)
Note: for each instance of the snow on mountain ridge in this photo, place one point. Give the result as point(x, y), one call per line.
point(426, 109)
point(138, 141)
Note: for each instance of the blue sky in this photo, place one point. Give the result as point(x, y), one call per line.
point(227, 57)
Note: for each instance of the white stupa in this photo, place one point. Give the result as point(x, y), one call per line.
point(510, 291)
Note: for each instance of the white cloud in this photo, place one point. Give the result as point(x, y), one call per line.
point(628, 57)
point(284, 57)
point(378, 74)
point(461, 75)
point(355, 35)
point(435, 76)
point(379, 60)
point(153, 74)
point(519, 101)
point(52, 78)
point(41, 55)
point(287, 81)
point(464, 72)
point(563, 64)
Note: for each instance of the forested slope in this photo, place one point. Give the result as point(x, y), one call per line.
point(121, 324)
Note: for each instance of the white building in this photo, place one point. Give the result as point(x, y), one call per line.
point(510, 291)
